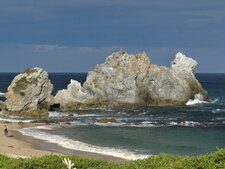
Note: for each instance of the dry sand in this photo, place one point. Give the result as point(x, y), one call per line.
point(18, 145)
point(13, 147)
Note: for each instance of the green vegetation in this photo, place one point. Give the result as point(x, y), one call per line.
point(137, 56)
point(22, 84)
point(163, 161)
point(29, 71)
point(122, 52)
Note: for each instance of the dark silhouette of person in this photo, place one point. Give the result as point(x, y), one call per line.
point(6, 130)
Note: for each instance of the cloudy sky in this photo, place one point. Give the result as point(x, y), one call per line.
point(75, 35)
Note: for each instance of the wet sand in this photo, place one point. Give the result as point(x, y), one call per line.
point(18, 145)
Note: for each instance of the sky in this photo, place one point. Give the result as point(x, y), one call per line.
point(75, 35)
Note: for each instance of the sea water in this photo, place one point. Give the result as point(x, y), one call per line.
point(139, 131)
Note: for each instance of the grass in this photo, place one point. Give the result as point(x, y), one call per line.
point(214, 160)
point(29, 71)
point(22, 84)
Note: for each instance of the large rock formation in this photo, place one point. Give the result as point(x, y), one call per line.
point(29, 93)
point(132, 79)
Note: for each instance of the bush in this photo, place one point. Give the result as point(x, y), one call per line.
point(163, 161)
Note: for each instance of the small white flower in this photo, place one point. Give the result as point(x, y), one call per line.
point(68, 163)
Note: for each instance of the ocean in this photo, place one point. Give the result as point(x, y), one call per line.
point(139, 131)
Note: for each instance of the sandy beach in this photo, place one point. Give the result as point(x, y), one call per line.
point(17, 145)
point(11, 146)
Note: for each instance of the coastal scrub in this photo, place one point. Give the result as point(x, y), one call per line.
point(163, 161)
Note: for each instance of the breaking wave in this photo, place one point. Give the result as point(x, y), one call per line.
point(199, 99)
point(77, 145)
point(66, 114)
point(15, 119)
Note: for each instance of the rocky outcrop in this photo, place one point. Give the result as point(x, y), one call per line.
point(29, 93)
point(132, 79)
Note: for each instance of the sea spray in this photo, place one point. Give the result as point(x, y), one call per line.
point(199, 99)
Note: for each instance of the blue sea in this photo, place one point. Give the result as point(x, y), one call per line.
point(140, 130)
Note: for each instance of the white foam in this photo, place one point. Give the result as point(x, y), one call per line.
point(11, 119)
point(45, 127)
point(216, 111)
point(80, 146)
point(62, 114)
point(57, 114)
point(87, 115)
point(149, 124)
point(199, 99)
point(189, 123)
point(215, 100)
point(195, 101)
point(171, 123)
point(111, 124)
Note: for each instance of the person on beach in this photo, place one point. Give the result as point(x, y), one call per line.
point(6, 130)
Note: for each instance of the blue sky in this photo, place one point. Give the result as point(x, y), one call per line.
point(75, 35)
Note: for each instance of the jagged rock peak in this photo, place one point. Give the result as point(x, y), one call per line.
point(182, 62)
point(125, 58)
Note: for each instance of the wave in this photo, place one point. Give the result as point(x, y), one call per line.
point(214, 122)
point(214, 101)
point(195, 101)
point(151, 124)
point(199, 99)
point(45, 127)
point(77, 145)
point(15, 119)
point(64, 114)
point(57, 114)
point(218, 111)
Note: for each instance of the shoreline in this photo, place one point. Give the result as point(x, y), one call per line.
point(26, 146)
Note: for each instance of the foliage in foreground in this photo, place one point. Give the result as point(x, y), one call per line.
point(214, 160)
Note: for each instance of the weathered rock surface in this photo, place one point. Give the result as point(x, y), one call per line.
point(29, 93)
point(132, 79)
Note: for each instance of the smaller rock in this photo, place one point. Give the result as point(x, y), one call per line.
point(219, 122)
point(69, 114)
point(112, 120)
point(181, 123)
point(64, 121)
point(161, 123)
point(21, 123)
point(81, 113)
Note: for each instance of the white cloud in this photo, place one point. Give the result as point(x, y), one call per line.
point(84, 50)
point(48, 48)
point(56, 58)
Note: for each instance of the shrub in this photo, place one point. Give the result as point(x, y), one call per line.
point(162, 161)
